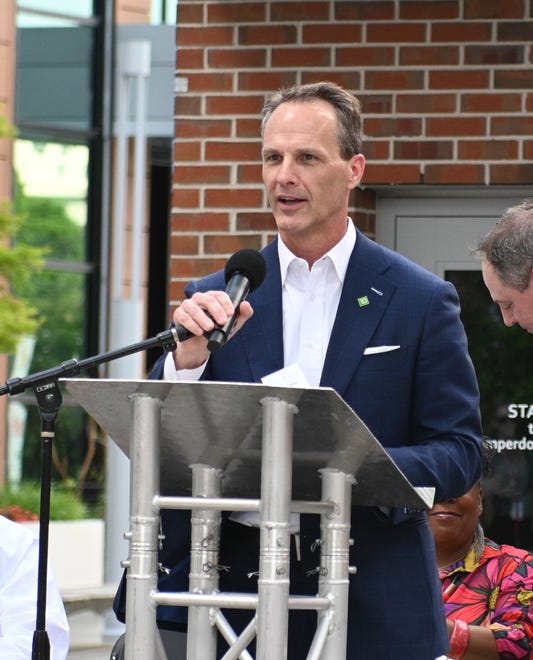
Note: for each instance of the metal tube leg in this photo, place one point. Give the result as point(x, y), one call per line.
point(141, 630)
point(203, 578)
point(333, 580)
point(276, 488)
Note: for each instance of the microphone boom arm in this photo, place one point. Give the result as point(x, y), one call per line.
point(167, 340)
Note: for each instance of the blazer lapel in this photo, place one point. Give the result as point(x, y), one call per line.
point(262, 335)
point(355, 322)
point(364, 299)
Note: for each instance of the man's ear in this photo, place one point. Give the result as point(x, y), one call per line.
point(357, 165)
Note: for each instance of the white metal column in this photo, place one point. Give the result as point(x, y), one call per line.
point(127, 312)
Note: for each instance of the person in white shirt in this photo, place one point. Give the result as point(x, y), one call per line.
point(19, 562)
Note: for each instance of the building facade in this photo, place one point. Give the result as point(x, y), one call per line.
point(446, 89)
point(447, 92)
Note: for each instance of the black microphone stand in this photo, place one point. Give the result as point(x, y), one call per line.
point(46, 389)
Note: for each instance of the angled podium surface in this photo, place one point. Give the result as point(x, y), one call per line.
point(220, 424)
point(210, 447)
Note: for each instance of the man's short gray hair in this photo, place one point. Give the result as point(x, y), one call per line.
point(346, 105)
point(508, 248)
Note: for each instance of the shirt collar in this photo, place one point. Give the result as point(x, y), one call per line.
point(339, 254)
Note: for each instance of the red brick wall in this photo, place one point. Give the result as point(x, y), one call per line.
point(446, 88)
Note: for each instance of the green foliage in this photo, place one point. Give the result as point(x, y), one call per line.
point(65, 504)
point(18, 263)
point(47, 225)
point(17, 319)
point(58, 296)
point(6, 130)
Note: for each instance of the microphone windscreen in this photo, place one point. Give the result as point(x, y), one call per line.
point(249, 262)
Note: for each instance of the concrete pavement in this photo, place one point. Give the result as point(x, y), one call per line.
point(92, 635)
point(94, 653)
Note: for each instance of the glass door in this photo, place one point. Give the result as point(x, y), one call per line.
point(440, 234)
point(502, 357)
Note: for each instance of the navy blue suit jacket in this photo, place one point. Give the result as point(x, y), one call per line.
point(420, 401)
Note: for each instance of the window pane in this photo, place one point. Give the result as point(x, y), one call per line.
point(51, 197)
point(58, 173)
point(53, 78)
point(80, 8)
point(59, 298)
point(57, 83)
point(163, 11)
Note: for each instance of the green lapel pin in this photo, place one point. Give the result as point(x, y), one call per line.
point(363, 301)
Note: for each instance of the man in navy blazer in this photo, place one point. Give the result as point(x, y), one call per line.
point(380, 330)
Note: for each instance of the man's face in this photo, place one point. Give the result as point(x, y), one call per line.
point(516, 306)
point(307, 182)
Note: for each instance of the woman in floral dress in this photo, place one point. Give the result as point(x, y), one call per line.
point(487, 588)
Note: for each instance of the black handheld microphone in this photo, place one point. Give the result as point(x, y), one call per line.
point(244, 272)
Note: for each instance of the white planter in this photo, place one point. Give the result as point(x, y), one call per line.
point(75, 552)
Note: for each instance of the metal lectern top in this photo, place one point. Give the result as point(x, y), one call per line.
point(220, 425)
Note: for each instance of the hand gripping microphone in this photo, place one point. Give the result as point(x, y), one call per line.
point(244, 272)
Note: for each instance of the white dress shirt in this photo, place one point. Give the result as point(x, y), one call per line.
point(310, 298)
point(310, 301)
point(19, 557)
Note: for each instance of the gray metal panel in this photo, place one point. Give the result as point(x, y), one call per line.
point(439, 232)
point(220, 425)
point(53, 76)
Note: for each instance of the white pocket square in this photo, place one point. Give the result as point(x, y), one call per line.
point(372, 350)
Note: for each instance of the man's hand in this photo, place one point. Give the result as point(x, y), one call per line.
point(200, 314)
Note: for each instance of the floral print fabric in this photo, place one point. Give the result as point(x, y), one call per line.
point(495, 591)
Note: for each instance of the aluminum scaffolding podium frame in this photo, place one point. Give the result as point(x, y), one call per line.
point(212, 447)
